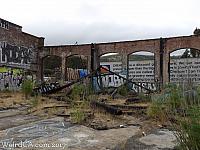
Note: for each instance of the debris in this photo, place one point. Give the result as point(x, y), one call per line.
point(132, 100)
point(144, 134)
point(122, 126)
point(106, 107)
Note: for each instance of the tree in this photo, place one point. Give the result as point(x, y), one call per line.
point(194, 52)
point(76, 62)
point(186, 54)
point(51, 65)
point(196, 31)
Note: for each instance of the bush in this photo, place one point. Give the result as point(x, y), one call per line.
point(123, 90)
point(27, 87)
point(77, 92)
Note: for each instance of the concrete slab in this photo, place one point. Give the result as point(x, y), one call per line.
point(162, 139)
point(56, 132)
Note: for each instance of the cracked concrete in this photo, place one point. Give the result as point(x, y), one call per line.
point(65, 135)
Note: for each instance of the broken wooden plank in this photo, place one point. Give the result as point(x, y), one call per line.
point(106, 107)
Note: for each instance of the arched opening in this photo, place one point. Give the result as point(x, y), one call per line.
point(51, 68)
point(113, 62)
point(141, 69)
point(184, 66)
point(76, 67)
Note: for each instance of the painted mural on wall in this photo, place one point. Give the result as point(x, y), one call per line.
point(10, 79)
point(16, 56)
point(45, 87)
point(183, 70)
point(142, 72)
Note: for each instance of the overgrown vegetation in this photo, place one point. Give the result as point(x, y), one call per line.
point(144, 97)
point(81, 96)
point(27, 87)
point(34, 101)
point(180, 106)
point(123, 90)
point(188, 129)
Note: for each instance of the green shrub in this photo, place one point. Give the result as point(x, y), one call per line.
point(123, 90)
point(77, 92)
point(27, 87)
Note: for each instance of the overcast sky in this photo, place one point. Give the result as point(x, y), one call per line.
point(88, 21)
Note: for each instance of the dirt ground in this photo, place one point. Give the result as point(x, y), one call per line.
point(48, 107)
point(16, 111)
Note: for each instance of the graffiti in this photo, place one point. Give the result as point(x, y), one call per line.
point(15, 55)
point(10, 81)
point(46, 87)
point(115, 81)
point(152, 86)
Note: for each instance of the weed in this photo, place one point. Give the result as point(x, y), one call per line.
point(77, 91)
point(157, 108)
point(123, 90)
point(188, 129)
point(144, 97)
point(77, 116)
point(27, 87)
point(34, 101)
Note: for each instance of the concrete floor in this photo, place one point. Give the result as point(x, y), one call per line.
point(20, 131)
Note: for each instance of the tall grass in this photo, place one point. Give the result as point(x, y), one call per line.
point(179, 105)
point(188, 129)
point(81, 95)
point(27, 88)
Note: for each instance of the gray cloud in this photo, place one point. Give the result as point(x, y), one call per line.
point(87, 21)
point(103, 32)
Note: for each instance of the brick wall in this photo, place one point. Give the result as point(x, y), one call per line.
point(17, 48)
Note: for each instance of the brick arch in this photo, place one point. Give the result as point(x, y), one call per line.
point(108, 53)
point(51, 56)
point(183, 48)
point(160, 47)
point(88, 58)
point(42, 58)
point(84, 50)
point(128, 47)
point(176, 43)
point(68, 50)
point(74, 54)
point(156, 65)
point(141, 51)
